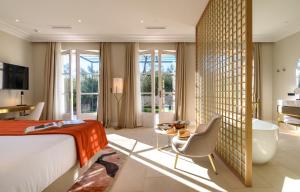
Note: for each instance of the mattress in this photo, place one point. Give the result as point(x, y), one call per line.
point(31, 163)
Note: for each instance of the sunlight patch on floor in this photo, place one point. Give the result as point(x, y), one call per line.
point(186, 172)
point(182, 180)
point(291, 185)
point(124, 142)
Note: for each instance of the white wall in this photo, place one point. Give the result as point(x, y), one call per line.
point(16, 51)
point(285, 56)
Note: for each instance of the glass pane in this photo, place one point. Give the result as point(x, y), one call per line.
point(298, 73)
point(66, 73)
point(89, 103)
point(74, 95)
point(168, 71)
point(73, 81)
point(156, 67)
point(89, 73)
point(145, 81)
point(146, 102)
point(89, 83)
point(66, 63)
point(67, 107)
point(168, 102)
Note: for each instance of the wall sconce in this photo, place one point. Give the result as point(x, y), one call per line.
point(117, 86)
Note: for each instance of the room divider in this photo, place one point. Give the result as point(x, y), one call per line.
point(224, 79)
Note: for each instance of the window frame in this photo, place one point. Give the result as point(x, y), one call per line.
point(79, 114)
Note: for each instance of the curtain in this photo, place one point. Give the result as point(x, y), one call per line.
point(130, 109)
point(104, 101)
point(51, 82)
point(180, 88)
point(256, 86)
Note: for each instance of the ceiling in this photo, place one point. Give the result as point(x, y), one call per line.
point(127, 20)
point(274, 20)
point(101, 20)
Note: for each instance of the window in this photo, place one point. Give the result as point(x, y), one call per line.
point(80, 79)
point(157, 79)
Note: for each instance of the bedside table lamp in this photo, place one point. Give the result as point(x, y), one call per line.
point(117, 90)
point(22, 94)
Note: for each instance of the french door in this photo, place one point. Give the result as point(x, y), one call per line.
point(80, 79)
point(157, 79)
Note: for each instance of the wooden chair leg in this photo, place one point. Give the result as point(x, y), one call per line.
point(176, 159)
point(211, 159)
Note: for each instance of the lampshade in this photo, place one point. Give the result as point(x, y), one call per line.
point(117, 86)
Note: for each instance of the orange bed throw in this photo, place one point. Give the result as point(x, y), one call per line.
point(89, 137)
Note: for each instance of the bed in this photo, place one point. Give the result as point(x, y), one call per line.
point(46, 161)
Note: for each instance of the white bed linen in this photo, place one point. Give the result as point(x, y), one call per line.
point(31, 163)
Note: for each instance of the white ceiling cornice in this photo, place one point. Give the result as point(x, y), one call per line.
point(12, 30)
point(113, 38)
point(15, 31)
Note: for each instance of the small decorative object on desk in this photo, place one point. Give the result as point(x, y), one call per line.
point(51, 125)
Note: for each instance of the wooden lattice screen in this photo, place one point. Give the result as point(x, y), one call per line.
point(224, 73)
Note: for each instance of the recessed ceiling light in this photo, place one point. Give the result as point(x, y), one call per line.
point(142, 21)
point(17, 20)
point(79, 21)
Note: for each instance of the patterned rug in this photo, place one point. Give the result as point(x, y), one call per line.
point(101, 175)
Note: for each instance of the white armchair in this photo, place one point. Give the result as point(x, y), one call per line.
point(200, 144)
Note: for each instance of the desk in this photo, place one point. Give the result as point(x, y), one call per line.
point(12, 109)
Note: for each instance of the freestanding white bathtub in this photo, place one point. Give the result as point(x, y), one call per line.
point(264, 141)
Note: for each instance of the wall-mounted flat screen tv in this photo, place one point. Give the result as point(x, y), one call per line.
point(13, 76)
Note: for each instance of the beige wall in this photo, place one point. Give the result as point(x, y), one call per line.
point(191, 69)
point(16, 51)
point(38, 59)
point(266, 81)
point(286, 55)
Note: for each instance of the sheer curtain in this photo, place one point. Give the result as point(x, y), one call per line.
point(52, 83)
point(104, 101)
point(256, 83)
point(180, 98)
point(130, 116)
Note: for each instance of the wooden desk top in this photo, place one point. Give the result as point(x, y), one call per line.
point(10, 109)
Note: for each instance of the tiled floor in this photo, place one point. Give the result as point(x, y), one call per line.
point(148, 169)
